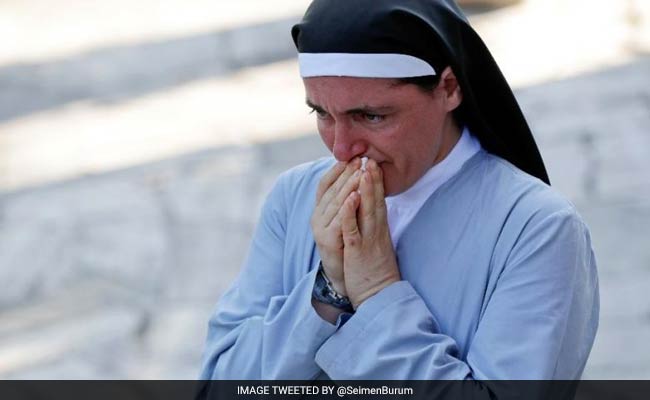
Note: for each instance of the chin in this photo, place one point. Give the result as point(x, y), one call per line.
point(391, 186)
point(391, 182)
point(392, 191)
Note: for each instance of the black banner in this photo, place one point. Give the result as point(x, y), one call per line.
point(317, 390)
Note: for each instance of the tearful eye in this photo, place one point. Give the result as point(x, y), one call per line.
point(373, 118)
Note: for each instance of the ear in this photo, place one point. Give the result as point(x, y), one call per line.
point(453, 95)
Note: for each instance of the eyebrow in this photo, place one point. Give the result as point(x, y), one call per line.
point(359, 110)
point(314, 106)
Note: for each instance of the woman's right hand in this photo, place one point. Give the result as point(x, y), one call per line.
point(335, 186)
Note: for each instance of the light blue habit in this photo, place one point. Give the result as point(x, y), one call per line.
point(499, 282)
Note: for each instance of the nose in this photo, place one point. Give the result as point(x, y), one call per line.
point(348, 142)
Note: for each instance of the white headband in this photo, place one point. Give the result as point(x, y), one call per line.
point(363, 65)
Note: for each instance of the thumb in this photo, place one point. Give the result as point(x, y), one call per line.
point(349, 226)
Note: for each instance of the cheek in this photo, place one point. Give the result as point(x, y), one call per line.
point(326, 135)
point(395, 140)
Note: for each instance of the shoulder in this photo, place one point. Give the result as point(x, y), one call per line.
point(530, 232)
point(293, 195)
point(530, 212)
point(307, 172)
point(296, 187)
point(504, 185)
point(304, 177)
point(512, 206)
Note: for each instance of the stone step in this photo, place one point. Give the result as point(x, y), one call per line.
point(80, 322)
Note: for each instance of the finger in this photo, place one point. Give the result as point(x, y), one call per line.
point(348, 217)
point(325, 198)
point(367, 205)
point(334, 231)
point(333, 207)
point(380, 197)
point(338, 184)
point(328, 179)
point(335, 225)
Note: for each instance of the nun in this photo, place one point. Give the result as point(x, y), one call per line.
point(430, 245)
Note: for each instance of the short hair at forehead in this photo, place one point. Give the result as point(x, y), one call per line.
point(365, 109)
point(425, 83)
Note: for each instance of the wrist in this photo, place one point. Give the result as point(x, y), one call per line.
point(358, 299)
point(324, 292)
point(335, 282)
point(338, 287)
point(326, 311)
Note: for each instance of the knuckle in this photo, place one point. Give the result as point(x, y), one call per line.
point(323, 183)
point(333, 189)
point(352, 241)
point(331, 207)
point(340, 199)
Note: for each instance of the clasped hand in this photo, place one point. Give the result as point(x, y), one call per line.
point(351, 231)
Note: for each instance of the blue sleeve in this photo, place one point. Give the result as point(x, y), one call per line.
point(261, 329)
point(539, 321)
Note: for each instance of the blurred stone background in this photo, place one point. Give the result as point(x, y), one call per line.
point(139, 138)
